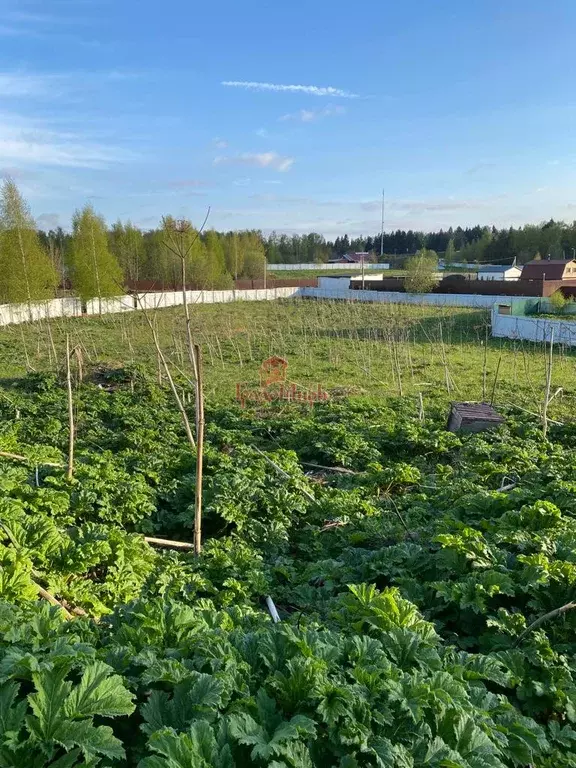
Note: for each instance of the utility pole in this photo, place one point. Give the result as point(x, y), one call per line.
point(362, 271)
point(382, 231)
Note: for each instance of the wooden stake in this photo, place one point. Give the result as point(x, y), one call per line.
point(542, 619)
point(168, 543)
point(79, 363)
point(18, 457)
point(199, 450)
point(70, 411)
point(445, 362)
point(164, 363)
point(51, 599)
point(495, 381)
point(52, 344)
point(484, 367)
point(547, 397)
point(28, 366)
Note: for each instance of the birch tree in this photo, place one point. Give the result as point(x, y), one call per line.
point(26, 271)
point(94, 271)
point(127, 245)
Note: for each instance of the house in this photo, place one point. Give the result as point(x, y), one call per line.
point(499, 272)
point(334, 282)
point(550, 269)
point(352, 258)
point(356, 280)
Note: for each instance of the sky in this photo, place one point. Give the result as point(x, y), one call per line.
point(291, 116)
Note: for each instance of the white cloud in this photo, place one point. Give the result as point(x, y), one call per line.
point(27, 141)
point(311, 115)
point(48, 220)
point(272, 160)
point(220, 143)
point(273, 181)
point(314, 90)
point(23, 84)
point(262, 132)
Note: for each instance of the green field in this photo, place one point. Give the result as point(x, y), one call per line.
point(372, 349)
point(371, 590)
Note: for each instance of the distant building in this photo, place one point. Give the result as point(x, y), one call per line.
point(356, 280)
point(352, 258)
point(499, 272)
point(550, 269)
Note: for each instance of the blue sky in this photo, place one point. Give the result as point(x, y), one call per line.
point(292, 115)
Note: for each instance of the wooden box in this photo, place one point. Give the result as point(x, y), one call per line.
point(473, 417)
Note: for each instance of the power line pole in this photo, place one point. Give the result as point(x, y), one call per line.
point(382, 231)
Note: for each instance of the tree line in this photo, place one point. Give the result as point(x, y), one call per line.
point(94, 259)
point(554, 239)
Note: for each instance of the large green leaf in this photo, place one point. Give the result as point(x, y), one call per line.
point(197, 748)
point(52, 690)
point(99, 693)
point(91, 740)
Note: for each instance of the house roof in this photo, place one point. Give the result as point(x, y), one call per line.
point(497, 267)
point(552, 269)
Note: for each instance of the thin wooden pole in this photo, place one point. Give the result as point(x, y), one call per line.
point(51, 338)
point(548, 385)
point(495, 381)
point(484, 367)
point(542, 619)
point(70, 411)
point(168, 543)
point(199, 451)
point(26, 357)
point(445, 362)
point(18, 457)
point(164, 363)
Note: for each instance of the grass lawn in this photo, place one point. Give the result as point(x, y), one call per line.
point(372, 349)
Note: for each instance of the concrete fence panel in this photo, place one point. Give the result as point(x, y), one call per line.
point(110, 305)
point(392, 297)
point(533, 328)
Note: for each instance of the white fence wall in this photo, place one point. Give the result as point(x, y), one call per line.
point(392, 297)
point(41, 310)
point(21, 313)
point(110, 305)
point(532, 328)
point(311, 265)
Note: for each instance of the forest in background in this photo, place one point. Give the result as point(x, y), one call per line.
point(94, 258)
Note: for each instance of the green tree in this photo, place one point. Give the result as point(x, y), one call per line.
point(27, 272)
point(254, 256)
point(127, 245)
point(558, 302)
point(421, 270)
point(234, 254)
point(94, 271)
point(217, 275)
point(450, 252)
point(158, 262)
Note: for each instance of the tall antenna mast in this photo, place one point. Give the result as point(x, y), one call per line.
point(382, 231)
